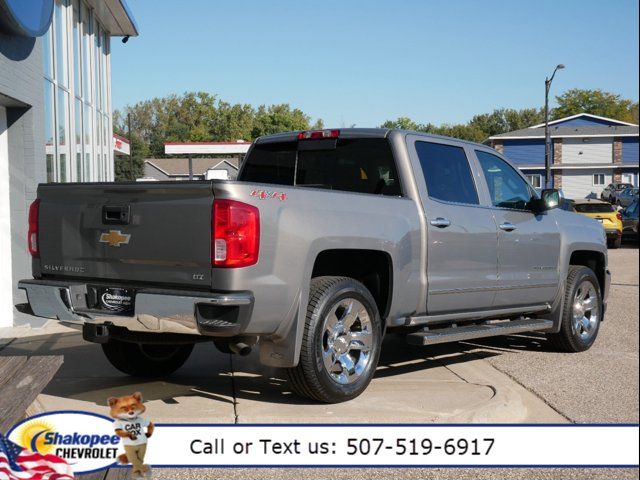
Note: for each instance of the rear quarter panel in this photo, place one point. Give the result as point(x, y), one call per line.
point(296, 224)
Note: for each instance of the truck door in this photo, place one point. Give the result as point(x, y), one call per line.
point(461, 234)
point(528, 244)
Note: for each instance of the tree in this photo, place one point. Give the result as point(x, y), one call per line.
point(201, 116)
point(479, 128)
point(634, 113)
point(462, 131)
point(506, 120)
point(404, 123)
point(122, 164)
point(232, 122)
point(595, 102)
point(501, 120)
point(279, 118)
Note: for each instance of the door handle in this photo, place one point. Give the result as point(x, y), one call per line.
point(508, 227)
point(440, 222)
point(116, 214)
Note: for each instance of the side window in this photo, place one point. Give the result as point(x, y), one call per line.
point(535, 180)
point(447, 173)
point(506, 187)
point(598, 179)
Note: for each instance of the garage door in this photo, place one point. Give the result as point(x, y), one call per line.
point(580, 183)
point(587, 150)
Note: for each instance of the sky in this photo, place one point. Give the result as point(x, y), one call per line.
point(356, 62)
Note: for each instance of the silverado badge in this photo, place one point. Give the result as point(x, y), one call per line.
point(114, 238)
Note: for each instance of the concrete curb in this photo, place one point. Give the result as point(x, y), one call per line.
point(512, 403)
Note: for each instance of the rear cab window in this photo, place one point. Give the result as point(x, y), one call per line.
point(361, 165)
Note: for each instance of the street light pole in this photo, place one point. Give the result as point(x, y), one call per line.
point(547, 134)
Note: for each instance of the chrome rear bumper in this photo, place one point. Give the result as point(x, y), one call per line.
point(156, 310)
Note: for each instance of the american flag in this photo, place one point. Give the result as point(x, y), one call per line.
point(17, 463)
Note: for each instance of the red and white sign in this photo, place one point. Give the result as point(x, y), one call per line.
point(121, 145)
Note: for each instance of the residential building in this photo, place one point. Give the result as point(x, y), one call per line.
point(588, 153)
point(202, 168)
point(55, 112)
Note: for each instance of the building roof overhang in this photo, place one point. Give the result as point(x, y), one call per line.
point(116, 17)
point(588, 115)
point(616, 128)
point(533, 137)
point(580, 166)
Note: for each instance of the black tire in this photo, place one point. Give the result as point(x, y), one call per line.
point(222, 345)
point(146, 360)
point(310, 378)
point(617, 243)
point(567, 339)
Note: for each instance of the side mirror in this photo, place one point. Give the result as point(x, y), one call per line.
point(551, 198)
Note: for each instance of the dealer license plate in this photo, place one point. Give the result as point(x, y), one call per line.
point(117, 300)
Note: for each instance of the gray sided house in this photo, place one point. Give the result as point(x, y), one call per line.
point(589, 152)
point(202, 168)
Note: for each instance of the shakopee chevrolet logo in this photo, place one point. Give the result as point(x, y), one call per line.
point(114, 238)
point(85, 440)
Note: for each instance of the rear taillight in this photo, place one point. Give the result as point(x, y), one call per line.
point(236, 234)
point(619, 216)
point(318, 134)
point(32, 236)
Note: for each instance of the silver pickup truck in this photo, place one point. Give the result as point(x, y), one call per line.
point(328, 240)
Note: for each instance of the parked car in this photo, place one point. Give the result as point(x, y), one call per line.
point(327, 240)
point(606, 214)
point(610, 191)
point(630, 221)
point(626, 197)
point(567, 205)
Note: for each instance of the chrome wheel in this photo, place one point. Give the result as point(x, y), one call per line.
point(586, 310)
point(347, 341)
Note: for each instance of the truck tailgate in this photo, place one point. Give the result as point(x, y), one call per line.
point(152, 232)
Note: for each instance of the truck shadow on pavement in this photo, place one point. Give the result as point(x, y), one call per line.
point(210, 375)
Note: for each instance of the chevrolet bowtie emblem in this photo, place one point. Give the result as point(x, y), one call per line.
point(114, 238)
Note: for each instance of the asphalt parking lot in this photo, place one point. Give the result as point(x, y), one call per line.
point(510, 379)
point(600, 385)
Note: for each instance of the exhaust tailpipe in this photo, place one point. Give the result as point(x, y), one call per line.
point(240, 348)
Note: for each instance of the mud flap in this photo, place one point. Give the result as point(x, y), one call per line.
point(556, 310)
point(282, 350)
